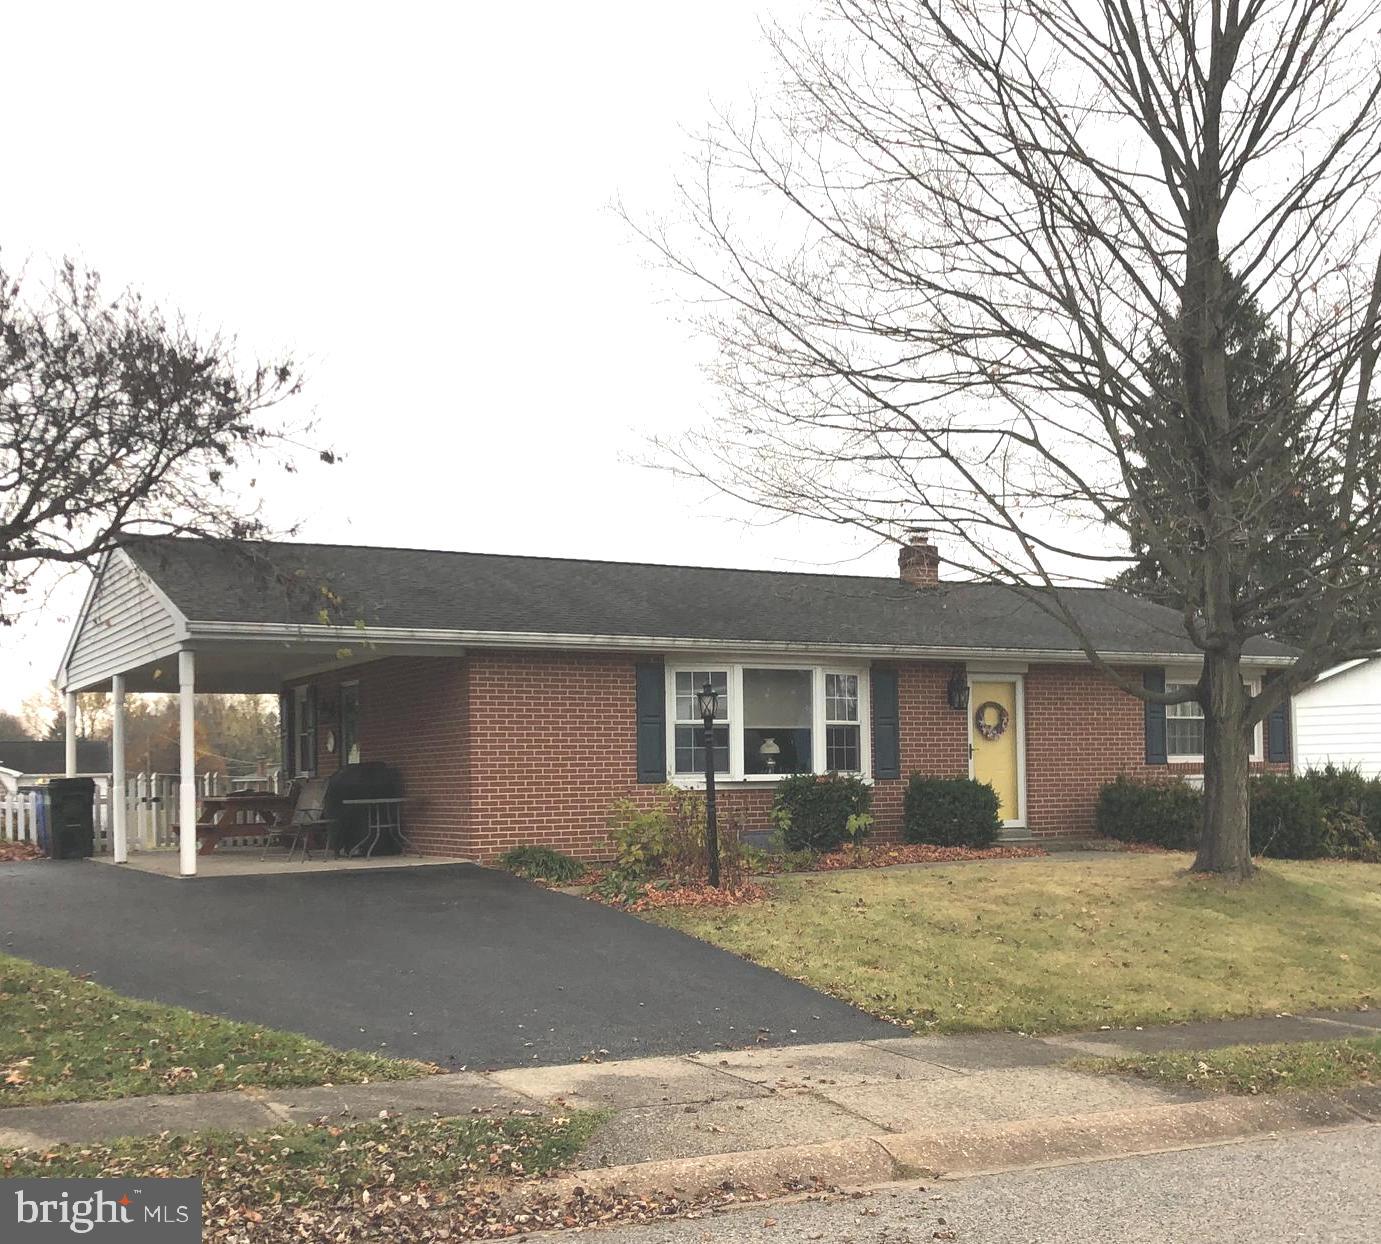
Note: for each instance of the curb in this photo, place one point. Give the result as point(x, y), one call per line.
point(964, 1151)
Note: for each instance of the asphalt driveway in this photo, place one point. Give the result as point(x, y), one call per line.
point(460, 965)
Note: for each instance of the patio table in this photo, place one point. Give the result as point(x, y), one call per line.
point(384, 816)
point(242, 812)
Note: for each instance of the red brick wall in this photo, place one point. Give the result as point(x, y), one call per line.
point(412, 716)
point(1082, 731)
point(553, 745)
point(502, 749)
point(934, 739)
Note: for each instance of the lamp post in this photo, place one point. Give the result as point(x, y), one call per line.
point(708, 699)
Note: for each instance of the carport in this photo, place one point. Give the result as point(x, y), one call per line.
point(130, 637)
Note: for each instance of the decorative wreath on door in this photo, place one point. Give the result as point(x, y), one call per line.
point(990, 720)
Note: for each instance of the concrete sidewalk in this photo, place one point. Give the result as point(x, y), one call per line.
point(727, 1101)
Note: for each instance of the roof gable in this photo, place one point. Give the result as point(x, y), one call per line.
point(125, 621)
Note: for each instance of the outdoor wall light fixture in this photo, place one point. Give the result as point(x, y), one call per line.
point(707, 699)
point(958, 690)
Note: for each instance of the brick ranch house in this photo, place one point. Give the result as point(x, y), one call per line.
point(520, 696)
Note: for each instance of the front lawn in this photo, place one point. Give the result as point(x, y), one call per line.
point(320, 1162)
point(397, 1179)
point(64, 1039)
point(1059, 944)
point(1256, 1068)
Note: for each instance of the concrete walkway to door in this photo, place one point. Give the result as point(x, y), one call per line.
point(458, 965)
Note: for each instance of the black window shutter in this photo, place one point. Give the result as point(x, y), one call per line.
point(1154, 680)
point(652, 723)
point(285, 729)
point(1278, 732)
point(886, 725)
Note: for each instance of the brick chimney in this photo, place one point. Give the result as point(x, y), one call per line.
point(919, 561)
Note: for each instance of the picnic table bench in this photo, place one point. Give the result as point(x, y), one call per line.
point(242, 813)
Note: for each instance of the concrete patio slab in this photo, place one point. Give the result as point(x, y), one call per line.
point(231, 862)
point(995, 1096)
point(979, 1051)
point(623, 1085)
point(650, 1132)
point(811, 1066)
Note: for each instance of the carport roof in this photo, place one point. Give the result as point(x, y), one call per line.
point(482, 597)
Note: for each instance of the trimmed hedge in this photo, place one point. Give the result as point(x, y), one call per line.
point(1287, 820)
point(950, 812)
point(821, 813)
point(1333, 813)
point(1162, 814)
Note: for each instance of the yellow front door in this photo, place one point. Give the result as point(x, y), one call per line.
point(994, 727)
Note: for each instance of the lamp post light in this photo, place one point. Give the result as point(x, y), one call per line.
point(708, 700)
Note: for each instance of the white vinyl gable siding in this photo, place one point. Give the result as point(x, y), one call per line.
point(126, 623)
point(1338, 721)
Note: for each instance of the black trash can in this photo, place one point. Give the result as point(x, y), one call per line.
point(71, 817)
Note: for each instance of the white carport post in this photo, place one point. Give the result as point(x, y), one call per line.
point(187, 763)
point(119, 842)
point(71, 711)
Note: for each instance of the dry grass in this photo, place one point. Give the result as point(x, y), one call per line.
point(1251, 1069)
point(65, 1039)
point(1059, 944)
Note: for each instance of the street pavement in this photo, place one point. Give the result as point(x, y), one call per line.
point(1322, 1187)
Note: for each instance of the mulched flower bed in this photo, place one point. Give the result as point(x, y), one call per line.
point(658, 895)
point(889, 856)
point(699, 895)
point(12, 852)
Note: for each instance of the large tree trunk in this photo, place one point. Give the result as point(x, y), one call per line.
point(1224, 842)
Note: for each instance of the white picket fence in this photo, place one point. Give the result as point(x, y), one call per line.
point(151, 803)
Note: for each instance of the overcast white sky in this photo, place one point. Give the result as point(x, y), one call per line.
point(413, 198)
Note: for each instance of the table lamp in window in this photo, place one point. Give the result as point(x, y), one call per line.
point(769, 751)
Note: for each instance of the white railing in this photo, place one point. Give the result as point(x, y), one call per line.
point(151, 805)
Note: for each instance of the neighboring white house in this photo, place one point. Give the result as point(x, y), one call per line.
point(1337, 719)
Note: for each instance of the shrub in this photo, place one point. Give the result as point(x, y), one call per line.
point(1346, 836)
point(1347, 792)
point(1326, 812)
point(638, 836)
point(1163, 814)
point(667, 842)
point(542, 864)
point(950, 812)
point(1342, 788)
point(804, 861)
point(1287, 818)
point(821, 813)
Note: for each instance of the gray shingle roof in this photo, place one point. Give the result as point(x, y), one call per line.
point(50, 756)
point(434, 590)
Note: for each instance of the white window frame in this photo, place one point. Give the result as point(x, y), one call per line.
point(301, 697)
point(734, 667)
point(1175, 679)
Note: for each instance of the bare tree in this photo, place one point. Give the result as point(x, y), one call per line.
point(12, 728)
point(942, 263)
point(118, 422)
